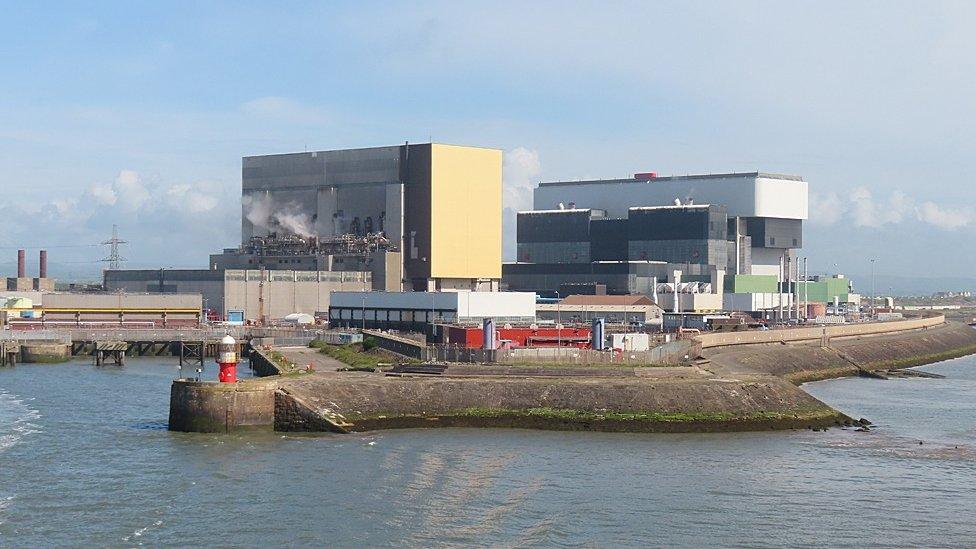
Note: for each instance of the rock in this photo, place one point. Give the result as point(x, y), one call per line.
point(863, 421)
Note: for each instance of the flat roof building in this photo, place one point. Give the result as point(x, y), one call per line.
point(438, 206)
point(767, 208)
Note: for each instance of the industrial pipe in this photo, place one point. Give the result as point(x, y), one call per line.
point(42, 260)
point(21, 264)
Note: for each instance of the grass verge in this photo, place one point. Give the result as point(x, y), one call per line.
point(354, 356)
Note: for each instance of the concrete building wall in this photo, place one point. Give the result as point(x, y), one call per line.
point(765, 261)
point(616, 314)
point(329, 189)
point(691, 302)
point(762, 301)
point(496, 305)
point(447, 305)
point(123, 301)
point(441, 204)
point(286, 292)
point(466, 205)
point(209, 284)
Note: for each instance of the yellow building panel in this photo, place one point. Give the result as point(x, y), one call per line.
point(466, 206)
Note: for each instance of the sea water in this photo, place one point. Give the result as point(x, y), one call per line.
point(86, 460)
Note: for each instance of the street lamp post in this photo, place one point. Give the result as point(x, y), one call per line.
point(872, 287)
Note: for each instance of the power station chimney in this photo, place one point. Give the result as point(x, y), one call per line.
point(21, 264)
point(42, 259)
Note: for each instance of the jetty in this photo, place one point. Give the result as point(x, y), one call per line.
point(191, 345)
point(735, 382)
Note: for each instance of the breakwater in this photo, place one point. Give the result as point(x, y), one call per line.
point(207, 407)
point(742, 385)
point(617, 403)
point(805, 361)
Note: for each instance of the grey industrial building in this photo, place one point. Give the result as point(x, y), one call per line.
point(629, 234)
point(269, 293)
point(408, 217)
point(404, 213)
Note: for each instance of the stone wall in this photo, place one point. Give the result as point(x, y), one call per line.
point(262, 364)
point(292, 414)
point(211, 407)
point(398, 345)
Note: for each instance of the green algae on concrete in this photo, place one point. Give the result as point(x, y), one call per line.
point(665, 417)
point(631, 422)
point(45, 353)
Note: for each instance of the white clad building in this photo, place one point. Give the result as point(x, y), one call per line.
point(412, 311)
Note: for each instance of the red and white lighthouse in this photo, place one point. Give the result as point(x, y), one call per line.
point(227, 359)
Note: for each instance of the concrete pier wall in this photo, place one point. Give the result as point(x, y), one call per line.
point(804, 362)
point(211, 407)
point(44, 352)
point(741, 387)
point(817, 332)
point(263, 365)
point(595, 404)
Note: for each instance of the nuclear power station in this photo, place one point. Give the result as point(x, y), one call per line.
point(417, 217)
point(413, 217)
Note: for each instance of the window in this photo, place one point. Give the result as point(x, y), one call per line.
point(794, 242)
point(772, 241)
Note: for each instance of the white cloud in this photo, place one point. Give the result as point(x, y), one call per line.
point(103, 193)
point(520, 171)
point(131, 193)
point(945, 218)
point(826, 209)
point(521, 168)
point(862, 209)
point(866, 211)
point(193, 197)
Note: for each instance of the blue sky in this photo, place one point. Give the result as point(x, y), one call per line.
point(138, 113)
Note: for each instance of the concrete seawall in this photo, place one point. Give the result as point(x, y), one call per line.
point(803, 362)
point(825, 332)
point(592, 404)
point(263, 364)
point(44, 352)
point(750, 383)
point(210, 407)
